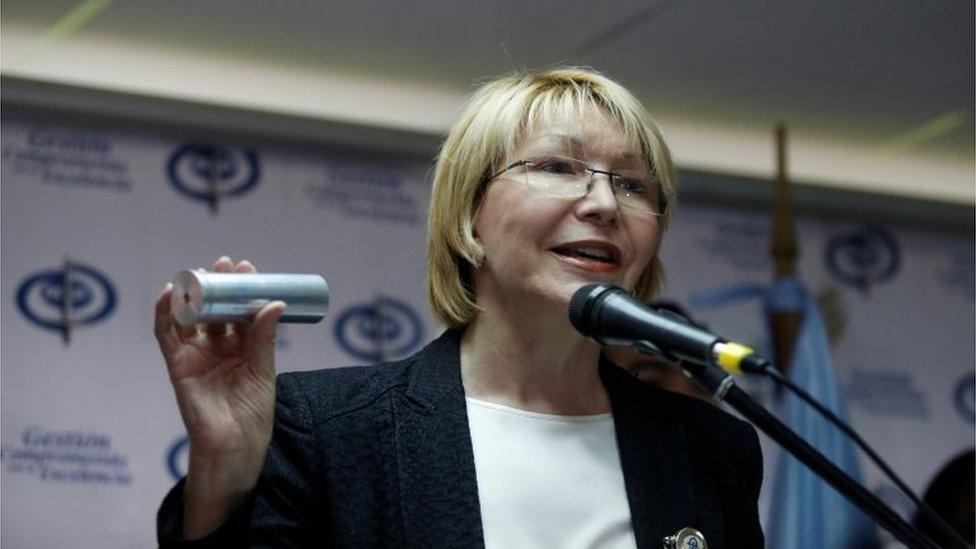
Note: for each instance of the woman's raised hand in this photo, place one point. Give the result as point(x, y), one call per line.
point(224, 379)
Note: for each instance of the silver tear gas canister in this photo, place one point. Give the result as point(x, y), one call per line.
point(205, 297)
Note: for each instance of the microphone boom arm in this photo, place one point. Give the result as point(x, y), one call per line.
point(723, 387)
point(611, 316)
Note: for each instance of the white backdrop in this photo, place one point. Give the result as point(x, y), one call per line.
point(91, 438)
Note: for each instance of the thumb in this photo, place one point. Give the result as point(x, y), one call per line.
point(261, 336)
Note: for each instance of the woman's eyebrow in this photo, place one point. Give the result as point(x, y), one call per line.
point(578, 145)
point(575, 144)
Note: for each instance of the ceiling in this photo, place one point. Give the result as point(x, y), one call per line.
point(895, 76)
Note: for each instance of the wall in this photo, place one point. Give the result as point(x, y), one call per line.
point(91, 437)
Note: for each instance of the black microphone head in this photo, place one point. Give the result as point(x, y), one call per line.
point(581, 305)
point(611, 316)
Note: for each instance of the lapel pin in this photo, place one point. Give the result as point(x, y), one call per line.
point(686, 538)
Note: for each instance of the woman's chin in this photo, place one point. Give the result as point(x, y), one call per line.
point(571, 285)
point(552, 294)
point(560, 295)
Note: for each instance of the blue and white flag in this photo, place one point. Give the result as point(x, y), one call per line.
point(806, 512)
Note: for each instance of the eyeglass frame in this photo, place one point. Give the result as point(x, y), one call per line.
point(593, 171)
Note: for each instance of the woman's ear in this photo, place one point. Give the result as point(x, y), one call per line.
point(478, 258)
point(476, 251)
point(474, 223)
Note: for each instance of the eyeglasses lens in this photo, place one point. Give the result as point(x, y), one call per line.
point(566, 177)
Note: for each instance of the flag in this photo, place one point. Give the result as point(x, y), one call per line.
point(807, 513)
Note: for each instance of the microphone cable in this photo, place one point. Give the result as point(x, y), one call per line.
point(736, 358)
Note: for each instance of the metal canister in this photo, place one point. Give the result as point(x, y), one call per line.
point(206, 297)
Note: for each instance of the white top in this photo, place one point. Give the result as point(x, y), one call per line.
point(548, 481)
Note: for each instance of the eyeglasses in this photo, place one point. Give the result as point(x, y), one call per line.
point(636, 190)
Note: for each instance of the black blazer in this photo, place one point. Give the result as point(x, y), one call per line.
point(380, 456)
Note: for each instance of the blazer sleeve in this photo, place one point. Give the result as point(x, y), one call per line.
point(286, 508)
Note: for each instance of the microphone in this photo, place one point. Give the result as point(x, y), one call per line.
point(612, 316)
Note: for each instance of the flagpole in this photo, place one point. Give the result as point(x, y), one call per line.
point(783, 247)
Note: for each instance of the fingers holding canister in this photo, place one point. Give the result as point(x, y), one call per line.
point(224, 264)
point(164, 325)
point(244, 266)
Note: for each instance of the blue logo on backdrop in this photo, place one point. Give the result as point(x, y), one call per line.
point(211, 172)
point(863, 257)
point(176, 457)
point(964, 397)
point(378, 330)
point(40, 297)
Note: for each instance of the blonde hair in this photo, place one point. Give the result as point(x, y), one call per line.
point(493, 121)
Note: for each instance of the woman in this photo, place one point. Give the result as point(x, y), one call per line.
point(508, 430)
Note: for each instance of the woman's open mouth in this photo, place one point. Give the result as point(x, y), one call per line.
point(591, 256)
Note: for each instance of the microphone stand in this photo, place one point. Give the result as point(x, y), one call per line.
point(723, 388)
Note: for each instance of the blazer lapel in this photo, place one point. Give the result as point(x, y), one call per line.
point(654, 456)
point(435, 461)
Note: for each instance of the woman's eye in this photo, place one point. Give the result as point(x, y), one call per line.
point(553, 166)
point(633, 186)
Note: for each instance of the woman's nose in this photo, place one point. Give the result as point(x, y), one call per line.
point(599, 203)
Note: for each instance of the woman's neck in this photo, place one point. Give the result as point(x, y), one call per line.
point(534, 362)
